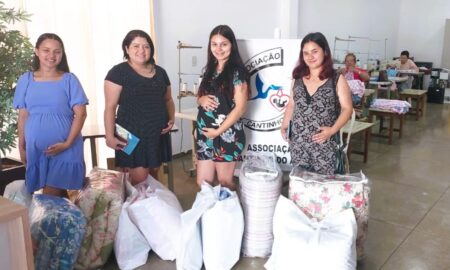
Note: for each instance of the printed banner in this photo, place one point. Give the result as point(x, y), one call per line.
point(270, 63)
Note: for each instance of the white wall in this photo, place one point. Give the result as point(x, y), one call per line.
point(192, 21)
point(421, 30)
point(413, 25)
point(92, 32)
point(361, 18)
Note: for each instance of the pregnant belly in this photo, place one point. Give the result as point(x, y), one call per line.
point(41, 131)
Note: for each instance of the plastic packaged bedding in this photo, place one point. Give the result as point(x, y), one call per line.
point(101, 201)
point(57, 229)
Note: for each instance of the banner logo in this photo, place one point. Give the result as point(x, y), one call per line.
point(268, 58)
point(270, 118)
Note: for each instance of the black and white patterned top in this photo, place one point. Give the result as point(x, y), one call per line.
point(312, 112)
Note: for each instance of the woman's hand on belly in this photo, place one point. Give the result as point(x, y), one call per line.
point(208, 102)
point(210, 133)
point(56, 148)
point(323, 135)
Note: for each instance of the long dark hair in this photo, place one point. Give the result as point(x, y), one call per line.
point(63, 65)
point(302, 69)
point(233, 64)
point(130, 37)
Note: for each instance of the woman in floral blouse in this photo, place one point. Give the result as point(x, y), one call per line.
point(222, 99)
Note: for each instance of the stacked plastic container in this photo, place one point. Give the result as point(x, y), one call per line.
point(260, 186)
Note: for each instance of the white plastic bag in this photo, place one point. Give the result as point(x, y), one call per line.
point(158, 218)
point(130, 246)
point(301, 243)
point(190, 255)
point(17, 192)
point(319, 196)
point(222, 230)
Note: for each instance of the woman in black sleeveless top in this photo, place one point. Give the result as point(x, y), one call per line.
point(320, 104)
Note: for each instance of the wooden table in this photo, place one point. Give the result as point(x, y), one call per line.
point(92, 133)
point(419, 96)
point(367, 94)
point(398, 79)
point(363, 106)
point(391, 115)
point(418, 75)
point(16, 238)
point(386, 84)
point(359, 127)
point(191, 115)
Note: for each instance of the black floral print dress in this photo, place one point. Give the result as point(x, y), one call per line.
point(311, 113)
point(229, 145)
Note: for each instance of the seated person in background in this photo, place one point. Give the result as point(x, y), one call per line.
point(406, 64)
point(351, 71)
point(356, 77)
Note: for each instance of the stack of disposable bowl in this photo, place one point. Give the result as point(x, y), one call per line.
point(260, 182)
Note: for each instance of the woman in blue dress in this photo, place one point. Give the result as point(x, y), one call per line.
point(222, 100)
point(52, 111)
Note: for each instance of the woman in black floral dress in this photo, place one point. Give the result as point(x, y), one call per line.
point(320, 104)
point(222, 99)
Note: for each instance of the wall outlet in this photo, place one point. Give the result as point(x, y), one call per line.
point(194, 61)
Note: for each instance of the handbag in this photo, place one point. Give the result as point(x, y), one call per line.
point(342, 164)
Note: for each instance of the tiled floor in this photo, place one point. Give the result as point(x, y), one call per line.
point(409, 225)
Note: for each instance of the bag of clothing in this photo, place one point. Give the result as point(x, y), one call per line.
point(190, 255)
point(57, 227)
point(17, 192)
point(304, 243)
point(157, 216)
point(319, 196)
point(130, 246)
point(222, 230)
point(101, 201)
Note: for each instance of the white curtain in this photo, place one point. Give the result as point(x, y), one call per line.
point(92, 32)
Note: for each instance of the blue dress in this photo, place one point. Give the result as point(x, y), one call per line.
point(50, 116)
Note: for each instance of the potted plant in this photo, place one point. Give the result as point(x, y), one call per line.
point(16, 53)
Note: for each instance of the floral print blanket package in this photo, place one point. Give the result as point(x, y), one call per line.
point(101, 201)
point(57, 228)
point(321, 195)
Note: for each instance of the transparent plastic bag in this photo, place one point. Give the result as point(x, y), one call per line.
point(101, 201)
point(321, 195)
point(57, 227)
